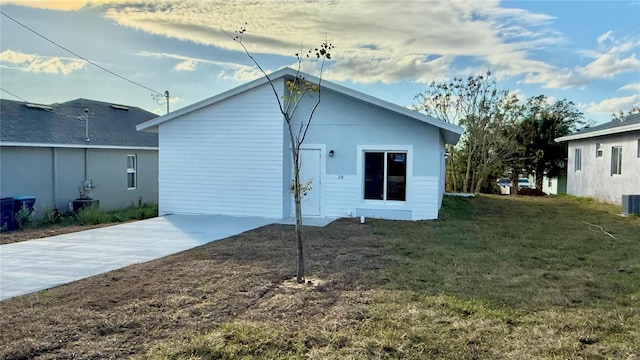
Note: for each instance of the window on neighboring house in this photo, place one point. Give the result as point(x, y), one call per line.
point(638, 148)
point(385, 175)
point(616, 160)
point(578, 160)
point(131, 171)
point(598, 150)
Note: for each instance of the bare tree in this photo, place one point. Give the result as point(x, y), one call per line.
point(477, 105)
point(297, 89)
point(621, 115)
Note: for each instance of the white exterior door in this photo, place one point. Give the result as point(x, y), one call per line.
point(310, 169)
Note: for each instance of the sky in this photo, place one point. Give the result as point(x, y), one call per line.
point(582, 51)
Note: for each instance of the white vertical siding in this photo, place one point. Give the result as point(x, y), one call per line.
point(224, 159)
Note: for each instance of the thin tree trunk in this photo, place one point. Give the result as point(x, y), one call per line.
point(451, 171)
point(465, 185)
point(300, 276)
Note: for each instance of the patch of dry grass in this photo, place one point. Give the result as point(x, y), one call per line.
point(495, 278)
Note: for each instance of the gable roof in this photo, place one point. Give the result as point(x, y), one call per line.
point(63, 125)
point(450, 132)
point(629, 123)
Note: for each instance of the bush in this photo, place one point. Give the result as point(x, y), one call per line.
point(92, 215)
point(531, 192)
point(24, 217)
point(50, 216)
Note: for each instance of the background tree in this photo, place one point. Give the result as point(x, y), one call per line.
point(297, 90)
point(483, 111)
point(621, 115)
point(544, 122)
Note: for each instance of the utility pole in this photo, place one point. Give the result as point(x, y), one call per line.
point(158, 96)
point(166, 95)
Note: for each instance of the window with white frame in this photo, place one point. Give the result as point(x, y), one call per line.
point(385, 175)
point(131, 172)
point(577, 160)
point(616, 160)
point(598, 150)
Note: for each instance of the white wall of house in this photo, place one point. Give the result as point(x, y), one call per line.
point(595, 178)
point(225, 158)
point(550, 185)
point(350, 128)
point(233, 157)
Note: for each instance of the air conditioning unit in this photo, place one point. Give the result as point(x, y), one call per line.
point(630, 204)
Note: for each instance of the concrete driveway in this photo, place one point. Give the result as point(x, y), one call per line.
point(39, 264)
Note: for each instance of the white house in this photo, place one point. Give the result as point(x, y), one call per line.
point(230, 154)
point(604, 160)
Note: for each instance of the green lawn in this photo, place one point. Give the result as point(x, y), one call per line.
point(494, 278)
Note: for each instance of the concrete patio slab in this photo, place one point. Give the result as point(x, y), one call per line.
point(40, 264)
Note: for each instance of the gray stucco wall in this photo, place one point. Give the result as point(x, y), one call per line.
point(27, 171)
point(595, 178)
point(54, 175)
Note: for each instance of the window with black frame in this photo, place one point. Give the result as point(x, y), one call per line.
point(385, 175)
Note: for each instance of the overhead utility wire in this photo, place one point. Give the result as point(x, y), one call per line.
point(81, 57)
point(14, 95)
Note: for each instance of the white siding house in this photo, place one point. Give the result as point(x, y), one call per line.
point(230, 154)
point(604, 160)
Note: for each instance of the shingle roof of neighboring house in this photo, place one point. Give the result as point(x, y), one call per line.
point(450, 132)
point(629, 123)
point(62, 125)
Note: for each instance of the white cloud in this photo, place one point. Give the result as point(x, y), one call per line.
point(403, 47)
point(43, 64)
point(228, 70)
point(611, 105)
point(613, 57)
point(609, 65)
point(186, 65)
point(604, 37)
point(630, 87)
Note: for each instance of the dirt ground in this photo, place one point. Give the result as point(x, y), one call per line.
point(30, 234)
point(125, 312)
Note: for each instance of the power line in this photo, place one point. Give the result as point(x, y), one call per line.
point(79, 56)
point(14, 95)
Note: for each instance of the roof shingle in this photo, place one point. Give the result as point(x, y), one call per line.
point(63, 124)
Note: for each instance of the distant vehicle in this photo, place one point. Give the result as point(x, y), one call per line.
point(504, 182)
point(523, 183)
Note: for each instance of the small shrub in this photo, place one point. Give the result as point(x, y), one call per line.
point(92, 215)
point(50, 216)
point(24, 217)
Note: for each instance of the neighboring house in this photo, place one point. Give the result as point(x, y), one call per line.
point(230, 154)
point(554, 185)
point(44, 153)
point(604, 160)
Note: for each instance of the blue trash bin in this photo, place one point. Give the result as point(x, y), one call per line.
point(7, 214)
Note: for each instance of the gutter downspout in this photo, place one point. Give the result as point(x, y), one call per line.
point(55, 175)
